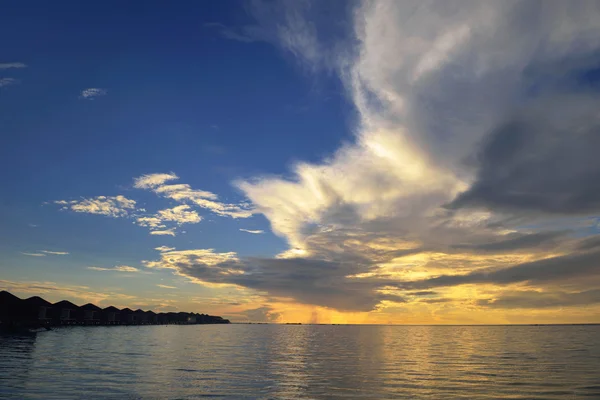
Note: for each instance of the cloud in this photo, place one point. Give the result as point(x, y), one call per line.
point(34, 254)
point(183, 193)
point(118, 268)
point(257, 231)
point(166, 286)
point(181, 215)
point(407, 205)
point(246, 34)
point(57, 253)
point(164, 248)
point(8, 81)
point(151, 181)
point(111, 206)
point(12, 65)
point(168, 232)
point(92, 93)
point(261, 314)
point(530, 299)
point(150, 222)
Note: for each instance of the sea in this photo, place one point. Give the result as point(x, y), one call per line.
point(241, 361)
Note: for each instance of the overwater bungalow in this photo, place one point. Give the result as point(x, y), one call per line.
point(162, 318)
point(140, 317)
point(151, 317)
point(10, 306)
point(111, 316)
point(66, 313)
point(36, 313)
point(127, 316)
point(91, 314)
point(37, 310)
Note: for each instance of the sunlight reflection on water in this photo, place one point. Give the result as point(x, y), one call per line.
point(291, 362)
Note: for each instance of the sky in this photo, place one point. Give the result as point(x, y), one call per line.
point(379, 162)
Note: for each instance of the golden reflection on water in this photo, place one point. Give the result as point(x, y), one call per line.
point(307, 361)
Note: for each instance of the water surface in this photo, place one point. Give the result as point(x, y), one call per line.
point(303, 362)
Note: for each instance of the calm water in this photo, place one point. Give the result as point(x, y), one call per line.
point(293, 362)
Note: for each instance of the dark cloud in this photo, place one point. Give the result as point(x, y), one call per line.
point(542, 160)
point(261, 314)
point(517, 242)
point(533, 299)
point(553, 269)
point(423, 293)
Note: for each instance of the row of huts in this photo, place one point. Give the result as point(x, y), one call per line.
point(35, 311)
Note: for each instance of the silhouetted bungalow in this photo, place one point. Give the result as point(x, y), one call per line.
point(127, 316)
point(151, 317)
point(66, 313)
point(111, 315)
point(37, 310)
point(183, 317)
point(91, 314)
point(10, 307)
point(140, 317)
point(162, 318)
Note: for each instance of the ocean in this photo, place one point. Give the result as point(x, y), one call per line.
point(303, 362)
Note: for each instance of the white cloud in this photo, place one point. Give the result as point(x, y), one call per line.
point(185, 194)
point(126, 268)
point(92, 93)
point(12, 65)
point(181, 215)
point(257, 231)
point(169, 232)
point(118, 268)
point(8, 81)
point(57, 253)
point(150, 181)
point(111, 206)
point(164, 248)
point(150, 222)
point(166, 286)
point(34, 254)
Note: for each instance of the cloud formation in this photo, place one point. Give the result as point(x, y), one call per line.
point(475, 132)
point(117, 268)
point(110, 206)
point(92, 93)
point(184, 193)
point(255, 231)
point(17, 65)
point(8, 81)
point(164, 248)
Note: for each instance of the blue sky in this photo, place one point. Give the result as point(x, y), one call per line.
point(179, 97)
point(301, 158)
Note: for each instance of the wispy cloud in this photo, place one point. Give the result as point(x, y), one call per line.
point(57, 253)
point(34, 254)
point(118, 268)
point(182, 214)
point(167, 232)
point(166, 286)
point(257, 231)
point(164, 248)
point(8, 81)
point(407, 206)
point(12, 65)
point(185, 194)
point(111, 206)
point(92, 93)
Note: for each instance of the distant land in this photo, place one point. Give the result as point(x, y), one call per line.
point(36, 312)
